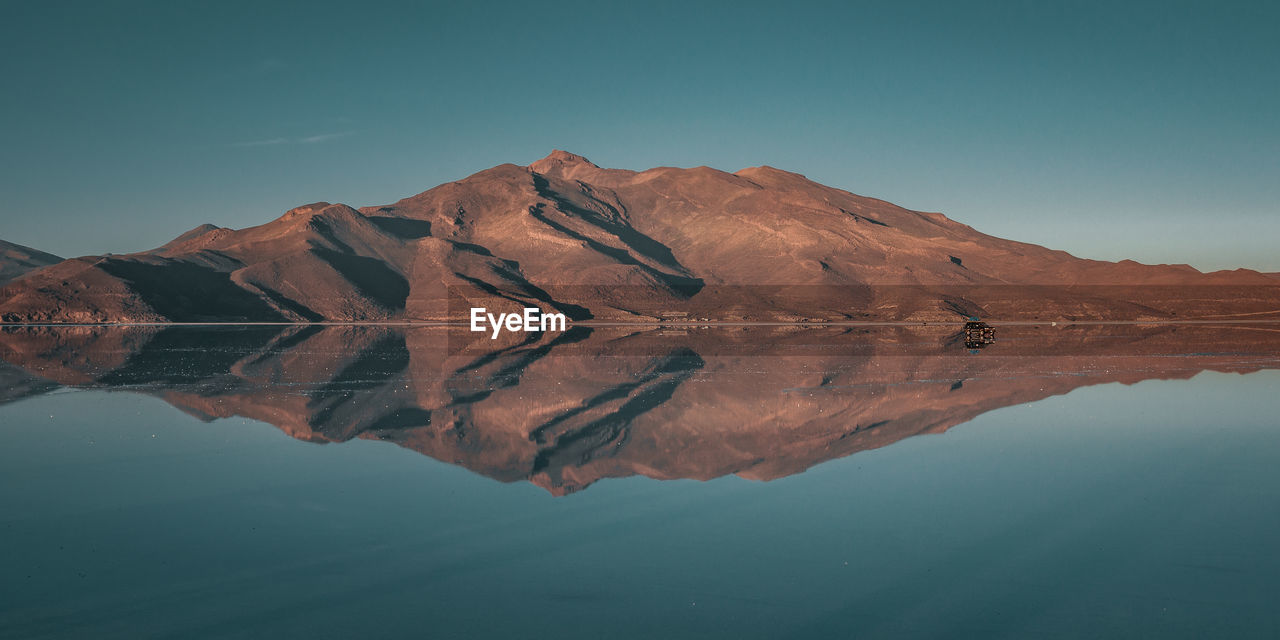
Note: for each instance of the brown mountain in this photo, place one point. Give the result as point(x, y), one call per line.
point(566, 411)
point(16, 260)
point(758, 244)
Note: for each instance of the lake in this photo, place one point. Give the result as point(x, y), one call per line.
point(872, 482)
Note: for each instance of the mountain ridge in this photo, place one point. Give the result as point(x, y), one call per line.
point(612, 244)
point(17, 260)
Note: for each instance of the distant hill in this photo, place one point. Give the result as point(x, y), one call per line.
point(16, 260)
point(757, 244)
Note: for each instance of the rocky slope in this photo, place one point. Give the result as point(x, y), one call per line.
point(562, 233)
point(16, 260)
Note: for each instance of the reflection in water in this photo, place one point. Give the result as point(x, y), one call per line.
point(566, 410)
point(1115, 512)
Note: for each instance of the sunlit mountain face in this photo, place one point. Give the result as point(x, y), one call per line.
point(758, 244)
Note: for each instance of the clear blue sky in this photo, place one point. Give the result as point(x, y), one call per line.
point(1146, 130)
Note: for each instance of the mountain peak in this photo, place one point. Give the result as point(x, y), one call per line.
point(561, 161)
point(306, 209)
point(766, 170)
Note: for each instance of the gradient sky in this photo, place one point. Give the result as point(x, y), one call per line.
point(1147, 131)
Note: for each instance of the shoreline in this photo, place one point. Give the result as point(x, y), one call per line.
point(658, 324)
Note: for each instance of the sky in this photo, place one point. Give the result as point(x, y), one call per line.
point(1143, 130)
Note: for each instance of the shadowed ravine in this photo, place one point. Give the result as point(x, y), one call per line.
point(566, 410)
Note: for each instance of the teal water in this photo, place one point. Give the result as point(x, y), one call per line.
point(1142, 510)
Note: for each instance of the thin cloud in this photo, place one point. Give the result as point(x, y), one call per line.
point(315, 139)
point(261, 143)
point(324, 137)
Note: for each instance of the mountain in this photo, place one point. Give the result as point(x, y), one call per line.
point(569, 410)
point(16, 260)
point(611, 244)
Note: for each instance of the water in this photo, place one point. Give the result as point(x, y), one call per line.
point(365, 482)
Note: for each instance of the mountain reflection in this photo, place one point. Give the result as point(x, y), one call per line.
point(565, 410)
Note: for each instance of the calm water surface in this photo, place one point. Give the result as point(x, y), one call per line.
point(245, 487)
